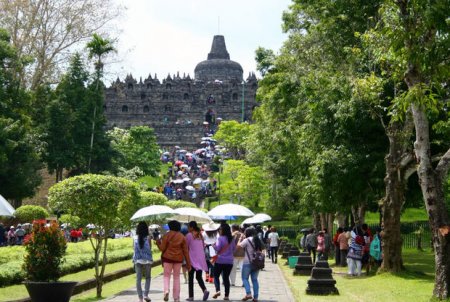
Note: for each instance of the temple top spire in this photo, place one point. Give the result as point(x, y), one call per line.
point(218, 49)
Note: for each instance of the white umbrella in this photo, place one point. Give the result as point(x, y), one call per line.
point(262, 217)
point(230, 209)
point(189, 154)
point(184, 166)
point(189, 214)
point(5, 208)
point(178, 181)
point(155, 212)
point(190, 188)
point(197, 181)
point(186, 179)
point(166, 153)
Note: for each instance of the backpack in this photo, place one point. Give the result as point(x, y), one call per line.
point(257, 261)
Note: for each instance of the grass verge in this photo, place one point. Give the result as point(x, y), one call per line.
point(414, 284)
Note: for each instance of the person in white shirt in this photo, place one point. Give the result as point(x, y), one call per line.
point(273, 243)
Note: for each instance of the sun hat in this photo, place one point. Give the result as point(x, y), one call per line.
point(210, 226)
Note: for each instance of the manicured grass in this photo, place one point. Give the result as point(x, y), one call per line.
point(414, 284)
point(408, 215)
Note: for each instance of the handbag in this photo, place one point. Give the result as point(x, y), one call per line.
point(215, 257)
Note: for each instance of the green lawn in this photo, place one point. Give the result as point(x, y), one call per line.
point(408, 215)
point(414, 284)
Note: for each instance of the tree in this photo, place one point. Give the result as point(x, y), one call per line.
point(98, 49)
point(107, 202)
point(46, 31)
point(65, 128)
point(136, 147)
point(264, 60)
point(19, 161)
point(232, 135)
point(248, 184)
point(320, 145)
point(412, 39)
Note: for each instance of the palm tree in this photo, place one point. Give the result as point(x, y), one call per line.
point(98, 48)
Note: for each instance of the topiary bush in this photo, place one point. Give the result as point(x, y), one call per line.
point(152, 198)
point(29, 213)
point(175, 204)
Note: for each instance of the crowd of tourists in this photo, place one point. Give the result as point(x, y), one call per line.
point(13, 235)
point(354, 248)
point(218, 250)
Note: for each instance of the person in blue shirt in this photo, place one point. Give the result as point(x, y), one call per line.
point(143, 260)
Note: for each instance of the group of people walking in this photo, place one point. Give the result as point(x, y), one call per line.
point(216, 249)
point(353, 247)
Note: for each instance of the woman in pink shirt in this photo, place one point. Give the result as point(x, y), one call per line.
point(196, 249)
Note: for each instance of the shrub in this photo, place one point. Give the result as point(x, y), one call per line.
point(152, 198)
point(45, 248)
point(175, 204)
point(29, 213)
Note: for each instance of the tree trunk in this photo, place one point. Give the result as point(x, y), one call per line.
point(316, 222)
point(432, 185)
point(359, 213)
point(396, 161)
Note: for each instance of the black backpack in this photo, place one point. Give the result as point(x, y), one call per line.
point(257, 260)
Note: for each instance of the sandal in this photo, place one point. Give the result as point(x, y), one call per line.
point(246, 297)
point(166, 297)
point(216, 295)
point(147, 299)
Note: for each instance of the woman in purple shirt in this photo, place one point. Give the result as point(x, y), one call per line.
point(224, 247)
point(196, 249)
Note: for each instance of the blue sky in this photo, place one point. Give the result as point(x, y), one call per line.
point(170, 36)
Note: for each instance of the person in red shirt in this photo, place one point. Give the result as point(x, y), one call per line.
point(73, 235)
point(340, 230)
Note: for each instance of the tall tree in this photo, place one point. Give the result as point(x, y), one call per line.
point(66, 128)
point(319, 142)
point(19, 161)
point(47, 30)
point(413, 38)
point(98, 48)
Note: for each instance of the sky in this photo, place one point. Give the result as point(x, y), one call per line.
point(170, 36)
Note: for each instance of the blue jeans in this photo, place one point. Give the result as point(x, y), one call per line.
point(146, 268)
point(248, 272)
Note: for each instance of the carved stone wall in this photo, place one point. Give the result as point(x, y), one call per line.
point(178, 106)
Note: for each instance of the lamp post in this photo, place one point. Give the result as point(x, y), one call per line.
point(243, 101)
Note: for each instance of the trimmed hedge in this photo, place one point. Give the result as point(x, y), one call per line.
point(79, 257)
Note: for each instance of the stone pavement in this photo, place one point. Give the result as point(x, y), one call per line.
point(272, 288)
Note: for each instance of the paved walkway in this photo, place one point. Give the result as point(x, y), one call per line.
point(273, 288)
